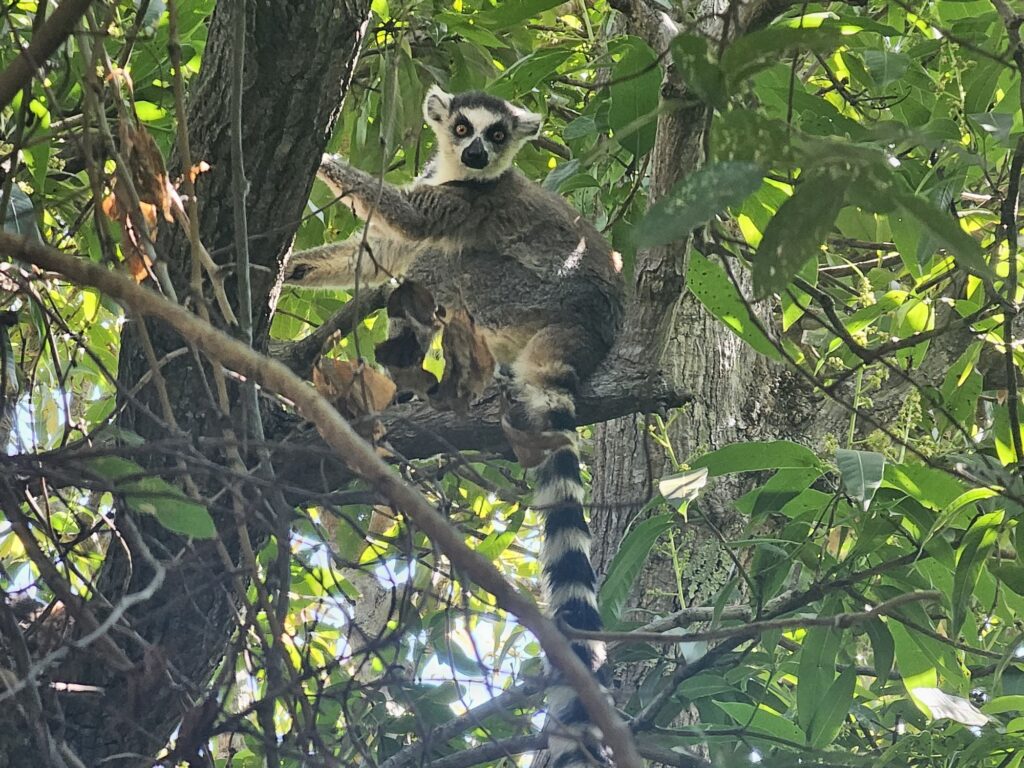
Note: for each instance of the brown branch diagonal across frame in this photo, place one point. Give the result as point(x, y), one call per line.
point(359, 455)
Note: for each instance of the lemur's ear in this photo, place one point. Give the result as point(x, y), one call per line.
point(435, 106)
point(527, 124)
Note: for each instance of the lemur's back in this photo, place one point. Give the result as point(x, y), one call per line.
point(521, 260)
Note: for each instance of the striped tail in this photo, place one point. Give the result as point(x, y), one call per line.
point(571, 590)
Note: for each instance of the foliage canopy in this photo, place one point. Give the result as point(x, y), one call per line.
point(854, 220)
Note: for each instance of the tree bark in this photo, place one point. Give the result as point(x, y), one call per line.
point(737, 394)
point(299, 59)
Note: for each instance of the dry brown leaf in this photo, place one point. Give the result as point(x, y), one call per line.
point(148, 172)
point(353, 388)
point(134, 253)
point(468, 363)
point(201, 167)
point(531, 448)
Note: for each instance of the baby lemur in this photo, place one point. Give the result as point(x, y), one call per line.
point(544, 290)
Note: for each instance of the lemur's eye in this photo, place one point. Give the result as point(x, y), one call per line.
point(462, 129)
point(497, 136)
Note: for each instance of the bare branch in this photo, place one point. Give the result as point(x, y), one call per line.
point(752, 629)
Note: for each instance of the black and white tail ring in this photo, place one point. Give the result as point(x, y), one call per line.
point(571, 589)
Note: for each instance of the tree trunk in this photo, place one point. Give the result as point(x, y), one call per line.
point(299, 59)
point(738, 395)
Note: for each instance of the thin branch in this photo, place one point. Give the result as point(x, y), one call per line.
point(499, 705)
point(57, 583)
point(362, 458)
point(300, 356)
point(839, 620)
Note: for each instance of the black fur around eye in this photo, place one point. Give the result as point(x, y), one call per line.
point(497, 135)
point(462, 129)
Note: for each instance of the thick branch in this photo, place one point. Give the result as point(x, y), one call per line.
point(417, 431)
point(359, 455)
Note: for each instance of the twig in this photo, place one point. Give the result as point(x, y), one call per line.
point(1008, 224)
point(57, 583)
point(359, 455)
point(15, 642)
point(500, 704)
point(51, 35)
point(494, 750)
point(300, 356)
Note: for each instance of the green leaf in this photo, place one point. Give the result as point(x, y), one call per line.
point(931, 487)
point(695, 200)
point(798, 229)
point(885, 66)
point(948, 233)
point(816, 672)
point(635, 91)
point(833, 709)
point(584, 125)
point(560, 175)
point(464, 26)
point(148, 112)
point(862, 473)
point(760, 719)
point(511, 12)
point(628, 562)
point(713, 288)
point(977, 542)
point(528, 72)
point(754, 456)
point(702, 75)
point(883, 649)
point(757, 50)
point(1011, 575)
point(155, 496)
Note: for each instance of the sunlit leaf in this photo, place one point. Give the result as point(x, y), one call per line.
point(712, 286)
point(695, 200)
point(862, 473)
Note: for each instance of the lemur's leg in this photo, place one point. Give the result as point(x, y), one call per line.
point(335, 265)
point(422, 213)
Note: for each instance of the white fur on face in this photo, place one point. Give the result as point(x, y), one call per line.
point(449, 165)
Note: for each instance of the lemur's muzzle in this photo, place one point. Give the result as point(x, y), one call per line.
point(475, 156)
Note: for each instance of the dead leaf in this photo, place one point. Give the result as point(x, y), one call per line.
point(531, 448)
point(132, 247)
point(201, 167)
point(147, 169)
point(353, 388)
point(468, 363)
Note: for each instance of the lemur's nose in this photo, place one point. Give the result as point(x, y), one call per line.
point(475, 156)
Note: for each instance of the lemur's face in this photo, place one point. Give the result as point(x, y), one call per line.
point(478, 136)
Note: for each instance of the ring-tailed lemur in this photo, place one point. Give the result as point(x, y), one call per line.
point(545, 291)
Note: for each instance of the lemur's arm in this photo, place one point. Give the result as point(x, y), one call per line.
point(422, 213)
point(335, 265)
